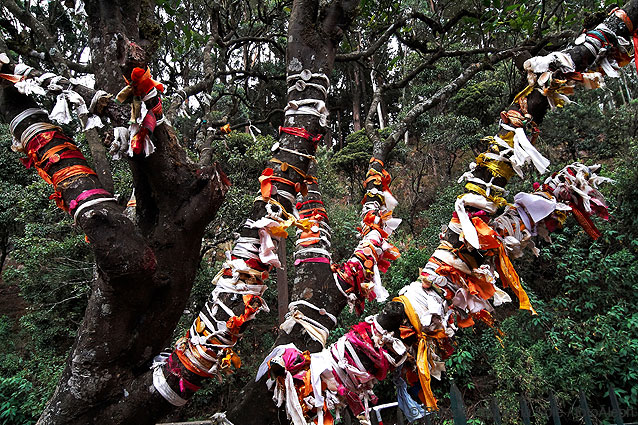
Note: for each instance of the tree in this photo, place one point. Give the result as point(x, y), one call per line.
point(144, 271)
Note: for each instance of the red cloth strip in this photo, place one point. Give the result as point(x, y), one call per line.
point(301, 204)
point(301, 132)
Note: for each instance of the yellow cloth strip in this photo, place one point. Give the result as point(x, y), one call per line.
point(497, 168)
point(524, 93)
point(498, 200)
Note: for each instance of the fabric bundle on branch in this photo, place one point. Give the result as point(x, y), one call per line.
point(311, 385)
point(142, 92)
point(67, 99)
point(136, 139)
point(207, 348)
point(458, 285)
point(360, 275)
point(57, 160)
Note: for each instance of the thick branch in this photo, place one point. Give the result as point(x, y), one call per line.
point(82, 68)
point(440, 96)
point(392, 29)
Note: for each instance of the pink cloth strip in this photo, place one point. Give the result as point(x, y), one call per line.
point(479, 213)
point(312, 260)
point(82, 196)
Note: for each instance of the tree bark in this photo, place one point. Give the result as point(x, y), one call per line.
point(356, 98)
point(113, 26)
point(282, 284)
point(144, 276)
point(392, 314)
point(313, 36)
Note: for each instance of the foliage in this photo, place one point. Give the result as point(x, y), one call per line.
point(482, 100)
point(243, 159)
point(52, 267)
point(353, 159)
point(14, 399)
point(12, 185)
point(586, 334)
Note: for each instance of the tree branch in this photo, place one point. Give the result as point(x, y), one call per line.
point(83, 68)
point(345, 57)
point(441, 95)
point(37, 28)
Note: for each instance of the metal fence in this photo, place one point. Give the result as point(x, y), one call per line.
point(459, 415)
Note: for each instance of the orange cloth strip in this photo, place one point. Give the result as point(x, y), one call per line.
point(142, 82)
point(68, 172)
point(422, 354)
point(488, 239)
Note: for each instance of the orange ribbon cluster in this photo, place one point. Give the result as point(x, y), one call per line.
point(630, 27)
point(268, 177)
point(379, 178)
point(139, 85)
point(490, 241)
point(53, 155)
point(12, 77)
point(201, 360)
point(585, 221)
point(252, 304)
point(142, 83)
point(213, 355)
point(423, 356)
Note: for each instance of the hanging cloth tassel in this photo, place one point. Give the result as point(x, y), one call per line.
point(422, 354)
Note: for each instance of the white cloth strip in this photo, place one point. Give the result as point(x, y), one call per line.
point(151, 94)
point(288, 196)
point(220, 418)
point(307, 75)
point(524, 150)
point(246, 239)
point(22, 69)
point(96, 98)
point(277, 147)
point(321, 311)
point(30, 132)
point(162, 387)
point(313, 328)
point(313, 107)
point(311, 250)
point(82, 208)
point(301, 85)
point(15, 122)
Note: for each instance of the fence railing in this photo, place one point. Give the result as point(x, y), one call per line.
point(459, 415)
